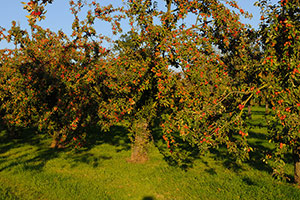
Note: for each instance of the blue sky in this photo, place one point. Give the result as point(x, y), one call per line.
point(59, 17)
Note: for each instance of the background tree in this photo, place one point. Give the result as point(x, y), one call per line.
point(214, 93)
point(280, 69)
point(48, 80)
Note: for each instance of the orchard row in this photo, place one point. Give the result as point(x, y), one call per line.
point(63, 85)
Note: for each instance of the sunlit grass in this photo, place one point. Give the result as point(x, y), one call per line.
point(30, 170)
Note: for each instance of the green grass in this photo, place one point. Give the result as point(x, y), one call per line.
point(30, 170)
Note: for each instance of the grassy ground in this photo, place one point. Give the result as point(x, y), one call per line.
point(30, 170)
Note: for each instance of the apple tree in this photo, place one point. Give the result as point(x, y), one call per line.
point(281, 69)
point(169, 69)
point(47, 81)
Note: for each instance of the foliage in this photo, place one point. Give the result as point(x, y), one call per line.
point(198, 104)
point(280, 70)
point(48, 80)
point(193, 79)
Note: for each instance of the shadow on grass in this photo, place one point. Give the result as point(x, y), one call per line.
point(260, 124)
point(17, 140)
point(211, 171)
point(116, 136)
point(256, 157)
point(9, 141)
point(89, 159)
point(248, 181)
point(226, 159)
point(258, 119)
point(36, 158)
point(260, 150)
point(148, 198)
point(182, 156)
point(38, 162)
point(41, 155)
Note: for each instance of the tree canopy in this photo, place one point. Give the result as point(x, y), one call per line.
point(193, 80)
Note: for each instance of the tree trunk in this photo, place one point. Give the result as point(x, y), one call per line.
point(296, 157)
point(54, 143)
point(249, 112)
point(140, 145)
point(297, 172)
point(267, 107)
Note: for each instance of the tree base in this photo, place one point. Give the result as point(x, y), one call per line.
point(140, 146)
point(297, 173)
point(296, 157)
point(139, 155)
point(56, 145)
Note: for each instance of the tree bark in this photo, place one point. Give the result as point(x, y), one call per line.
point(55, 144)
point(140, 145)
point(249, 112)
point(267, 108)
point(296, 157)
